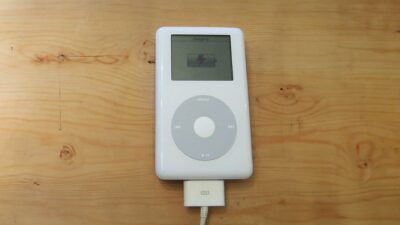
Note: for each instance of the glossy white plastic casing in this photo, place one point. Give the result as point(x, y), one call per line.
point(171, 162)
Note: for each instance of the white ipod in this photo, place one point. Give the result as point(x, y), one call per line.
point(202, 109)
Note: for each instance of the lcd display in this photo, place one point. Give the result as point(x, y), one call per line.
point(201, 57)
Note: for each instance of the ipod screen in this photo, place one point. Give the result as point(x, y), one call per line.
point(201, 57)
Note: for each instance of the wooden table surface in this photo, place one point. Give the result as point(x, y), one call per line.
point(77, 112)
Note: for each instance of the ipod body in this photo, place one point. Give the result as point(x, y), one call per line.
point(202, 108)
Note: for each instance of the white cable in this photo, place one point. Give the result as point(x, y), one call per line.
point(203, 215)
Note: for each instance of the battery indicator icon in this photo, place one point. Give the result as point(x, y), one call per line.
point(201, 60)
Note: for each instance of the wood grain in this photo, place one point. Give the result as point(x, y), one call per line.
point(77, 112)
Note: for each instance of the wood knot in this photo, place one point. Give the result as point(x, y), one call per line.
point(287, 99)
point(61, 58)
point(67, 152)
point(362, 165)
point(146, 52)
point(289, 91)
point(78, 57)
point(364, 153)
point(41, 59)
point(50, 58)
